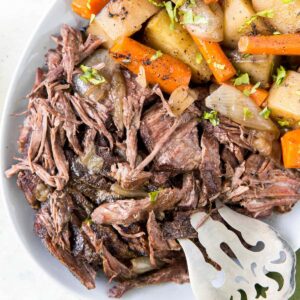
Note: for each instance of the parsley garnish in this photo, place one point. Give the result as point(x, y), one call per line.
point(283, 123)
point(199, 58)
point(252, 90)
point(265, 113)
point(267, 13)
point(156, 3)
point(212, 117)
point(190, 18)
point(287, 1)
point(281, 74)
point(153, 196)
point(91, 75)
point(247, 113)
point(242, 79)
point(157, 55)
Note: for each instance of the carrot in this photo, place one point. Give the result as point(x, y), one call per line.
point(210, 1)
point(259, 96)
point(290, 144)
point(216, 59)
point(167, 71)
point(86, 8)
point(282, 44)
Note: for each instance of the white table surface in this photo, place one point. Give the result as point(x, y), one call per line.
point(20, 277)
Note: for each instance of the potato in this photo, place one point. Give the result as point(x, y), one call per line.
point(177, 43)
point(121, 18)
point(259, 67)
point(236, 13)
point(284, 99)
point(286, 16)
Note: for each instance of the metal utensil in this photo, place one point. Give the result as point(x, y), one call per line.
point(251, 267)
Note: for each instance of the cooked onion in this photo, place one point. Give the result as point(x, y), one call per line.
point(181, 99)
point(210, 24)
point(230, 102)
point(141, 265)
point(128, 193)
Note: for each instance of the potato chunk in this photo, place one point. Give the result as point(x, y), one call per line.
point(284, 99)
point(121, 18)
point(177, 43)
point(236, 13)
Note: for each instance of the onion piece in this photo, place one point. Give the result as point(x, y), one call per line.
point(204, 21)
point(230, 102)
point(181, 99)
point(128, 193)
point(141, 265)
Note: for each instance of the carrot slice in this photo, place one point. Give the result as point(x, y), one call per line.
point(167, 71)
point(216, 59)
point(290, 143)
point(259, 96)
point(210, 1)
point(282, 44)
point(86, 8)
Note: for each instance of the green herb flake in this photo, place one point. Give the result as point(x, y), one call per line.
point(171, 13)
point(267, 13)
point(287, 1)
point(248, 92)
point(157, 55)
point(153, 196)
point(281, 74)
point(91, 75)
point(155, 3)
point(242, 79)
point(219, 66)
point(88, 4)
point(247, 113)
point(212, 117)
point(199, 58)
point(283, 123)
point(92, 19)
point(265, 113)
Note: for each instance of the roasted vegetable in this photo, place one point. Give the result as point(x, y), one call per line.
point(284, 98)
point(290, 143)
point(167, 71)
point(87, 8)
point(217, 61)
point(121, 18)
point(258, 67)
point(178, 43)
point(240, 19)
point(285, 14)
point(282, 44)
point(203, 21)
point(256, 94)
point(230, 102)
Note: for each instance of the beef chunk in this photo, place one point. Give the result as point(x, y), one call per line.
point(182, 151)
point(176, 273)
point(210, 166)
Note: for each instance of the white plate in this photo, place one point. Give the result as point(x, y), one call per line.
point(21, 214)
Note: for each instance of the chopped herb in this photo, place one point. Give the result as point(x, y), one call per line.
point(267, 13)
point(242, 79)
point(158, 4)
point(91, 75)
point(153, 196)
point(287, 1)
point(88, 4)
point(199, 58)
point(276, 32)
point(92, 19)
point(171, 13)
point(246, 55)
point(219, 66)
point(212, 117)
point(190, 18)
point(247, 113)
point(281, 74)
point(283, 123)
point(157, 55)
point(252, 90)
point(265, 113)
